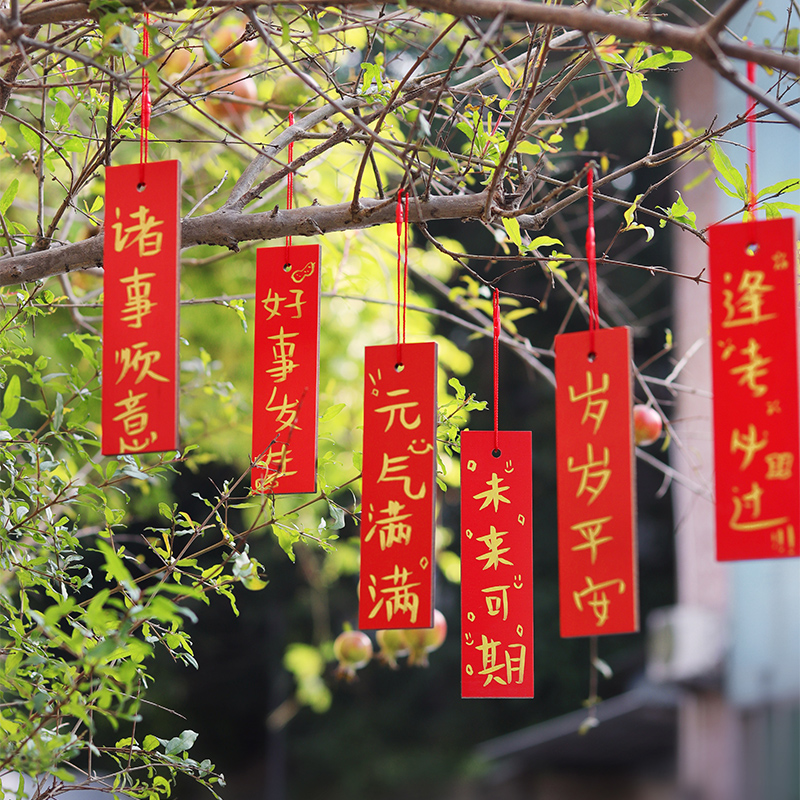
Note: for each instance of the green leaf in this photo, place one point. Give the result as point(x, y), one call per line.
point(511, 224)
point(8, 196)
point(635, 88)
point(726, 169)
point(581, 138)
point(546, 241)
point(529, 148)
point(789, 185)
point(61, 113)
point(30, 136)
point(11, 398)
point(505, 75)
point(150, 742)
point(180, 743)
point(331, 412)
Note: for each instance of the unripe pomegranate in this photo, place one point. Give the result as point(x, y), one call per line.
point(393, 644)
point(353, 650)
point(422, 641)
point(647, 425)
point(226, 106)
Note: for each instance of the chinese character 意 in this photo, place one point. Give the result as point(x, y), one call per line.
point(595, 408)
point(135, 419)
point(747, 443)
point(137, 359)
point(143, 234)
point(282, 354)
point(511, 664)
point(137, 297)
point(398, 464)
point(494, 494)
point(496, 600)
point(494, 543)
point(753, 369)
point(599, 601)
point(392, 528)
point(398, 597)
point(393, 408)
point(747, 308)
point(747, 511)
point(593, 470)
point(590, 531)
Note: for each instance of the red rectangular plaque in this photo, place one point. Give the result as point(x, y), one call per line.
point(286, 373)
point(496, 565)
point(597, 569)
point(141, 247)
point(398, 487)
point(754, 346)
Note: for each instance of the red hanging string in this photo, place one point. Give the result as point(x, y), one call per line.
point(594, 309)
point(751, 141)
point(401, 220)
point(496, 356)
point(290, 185)
point(145, 120)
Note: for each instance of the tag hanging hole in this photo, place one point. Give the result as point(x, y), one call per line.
point(496, 453)
point(752, 249)
point(287, 267)
point(399, 367)
point(591, 356)
point(140, 186)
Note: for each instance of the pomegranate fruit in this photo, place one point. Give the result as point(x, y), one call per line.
point(422, 641)
point(647, 425)
point(353, 650)
point(230, 90)
point(393, 644)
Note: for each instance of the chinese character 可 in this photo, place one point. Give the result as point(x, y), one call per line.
point(392, 528)
point(494, 542)
point(137, 297)
point(597, 470)
point(590, 531)
point(749, 304)
point(747, 443)
point(143, 234)
point(595, 406)
point(496, 600)
point(398, 597)
point(134, 418)
point(599, 601)
point(138, 360)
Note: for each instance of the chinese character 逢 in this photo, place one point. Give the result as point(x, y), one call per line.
point(747, 309)
point(595, 408)
point(598, 601)
point(137, 297)
point(144, 234)
point(595, 470)
point(398, 597)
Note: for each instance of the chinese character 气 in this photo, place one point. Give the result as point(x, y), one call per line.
point(398, 464)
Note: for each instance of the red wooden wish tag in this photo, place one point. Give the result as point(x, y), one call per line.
point(754, 357)
point(141, 248)
point(496, 564)
point(286, 373)
point(398, 487)
point(598, 580)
